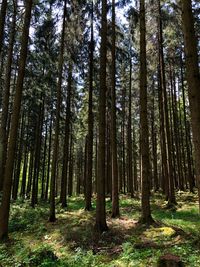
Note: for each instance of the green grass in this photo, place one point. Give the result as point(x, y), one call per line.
point(72, 240)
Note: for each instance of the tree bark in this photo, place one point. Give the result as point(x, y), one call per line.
point(6, 95)
point(146, 211)
point(5, 205)
point(193, 79)
point(101, 225)
point(52, 215)
point(88, 196)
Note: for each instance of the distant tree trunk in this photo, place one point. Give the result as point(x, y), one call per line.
point(135, 175)
point(44, 163)
point(71, 168)
point(66, 141)
point(34, 197)
point(5, 205)
point(129, 146)
point(154, 143)
point(18, 161)
point(24, 172)
point(171, 197)
point(88, 181)
point(30, 173)
point(193, 78)
point(49, 159)
point(146, 211)
point(52, 216)
point(123, 139)
point(114, 163)
point(6, 95)
point(101, 208)
point(190, 177)
point(79, 171)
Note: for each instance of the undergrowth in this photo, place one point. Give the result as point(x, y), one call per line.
point(72, 241)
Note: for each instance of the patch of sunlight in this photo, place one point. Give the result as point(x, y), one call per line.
point(155, 233)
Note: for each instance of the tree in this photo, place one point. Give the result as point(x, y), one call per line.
point(101, 209)
point(6, 95)
point(146, 211)
point(193, 79)
point(115, 196)
point(5, 205)
point(88, 181)
point(52, 216)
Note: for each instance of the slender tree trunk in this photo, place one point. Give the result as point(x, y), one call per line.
point(171, 197)
point(88, 205)
point(146, 211)
point(5, 205)
point(101, 205)
point(129, 147)
point(30, 173)
point(49, 159)
point(17, 171)
point(114, 163)
point(52, 215)
point(6, 95)
point(44, 164)
point(187, 134)
point(66, 141)
point(193, 79)
point(71, 168)
point(24, 173)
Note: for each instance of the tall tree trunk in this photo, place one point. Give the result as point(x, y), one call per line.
point(5, 205)
point(6, 95)
point(30, 173)
point(101, 207)
point(88, 195)
point(146, 211)
point(52, 215)
point(171, 197)
point(66, 141)
point(187, 134)
point(193, 79)
point(49, 159)
point(17, 171)
point(114, 163)
point(44, 163)
point(129, 146)
point(71, 167)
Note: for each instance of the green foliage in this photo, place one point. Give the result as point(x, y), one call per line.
point(71, 241)
point(42, 256)
point(24, 218)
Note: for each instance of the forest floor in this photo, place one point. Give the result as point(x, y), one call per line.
point(72, 241)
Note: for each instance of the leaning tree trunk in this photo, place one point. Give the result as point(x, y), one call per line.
point(101, 209)
point(193, 78)
point(146, 211)
point(5, 205)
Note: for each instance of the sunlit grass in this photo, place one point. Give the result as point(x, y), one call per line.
point(72, 241)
